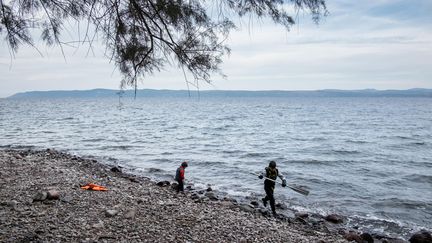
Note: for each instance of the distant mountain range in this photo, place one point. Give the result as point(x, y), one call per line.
point(143, 93)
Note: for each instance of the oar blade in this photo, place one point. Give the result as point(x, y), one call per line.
point(300, 190)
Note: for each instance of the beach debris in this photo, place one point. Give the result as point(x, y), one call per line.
point(422, 236)
point(94, 187)
point(334, 218)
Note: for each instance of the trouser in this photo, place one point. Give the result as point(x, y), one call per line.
point(180, 186)
point(269, 189)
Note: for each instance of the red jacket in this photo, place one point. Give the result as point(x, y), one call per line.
point(180, 174)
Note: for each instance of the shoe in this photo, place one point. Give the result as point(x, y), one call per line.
point(264, 202)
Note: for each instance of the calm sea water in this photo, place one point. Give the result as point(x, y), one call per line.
point(367, 158)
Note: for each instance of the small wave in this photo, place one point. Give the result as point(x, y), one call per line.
point(403, 137)
point(400, 203)
point(66, 119)
point(378, 224)
point(48, 132)
point(255, 155)
point(116, 147)
point(92, 140)
point(232, 151)
point(319, 162)
point(222, 128)
point(207, 163)
point(344, 151)
point(418, 143)
point(160, 160)
point(419, 178)
point(20, 147)
point(155, 170)
point(355, 141)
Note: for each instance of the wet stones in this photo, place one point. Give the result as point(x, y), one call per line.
point(282, 206)
point(246, 208)
point(163, 183)
point(334, 218)
point(421, 237)
point(367, 238)
point(353, 236)
point(302, 215)
point(254, 203)
point(116, 169)
point(211, 195)
point(174, 185)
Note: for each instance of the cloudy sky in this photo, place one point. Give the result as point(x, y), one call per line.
point(381, 44)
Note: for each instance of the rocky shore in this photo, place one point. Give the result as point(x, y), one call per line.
point(41, 200)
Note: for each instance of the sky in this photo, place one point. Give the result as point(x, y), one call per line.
point(380, 44)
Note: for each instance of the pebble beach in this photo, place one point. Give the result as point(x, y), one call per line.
point(42, 201)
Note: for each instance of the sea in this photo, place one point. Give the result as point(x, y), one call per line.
point(369, 159)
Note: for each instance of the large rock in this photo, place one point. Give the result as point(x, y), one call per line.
point(352, 236)
point(98, 225)
point(334, 218)
point(421, 237)
point(53, 195)
point(367, 237)
point(111, 212)
point(163, 183)
point(211, 195)
point(281, 206)
point(254, 203)
point(246, 208)
point(116, 169)
point(174, 185)
point(40, 196)
point(302, 215)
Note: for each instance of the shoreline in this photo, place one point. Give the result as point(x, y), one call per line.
point(134, 208)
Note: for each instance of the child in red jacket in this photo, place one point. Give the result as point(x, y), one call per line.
point(180, 176)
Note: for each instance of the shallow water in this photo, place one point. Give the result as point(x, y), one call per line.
point(369, 158)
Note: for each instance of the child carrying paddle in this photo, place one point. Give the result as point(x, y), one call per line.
point(272, 173)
